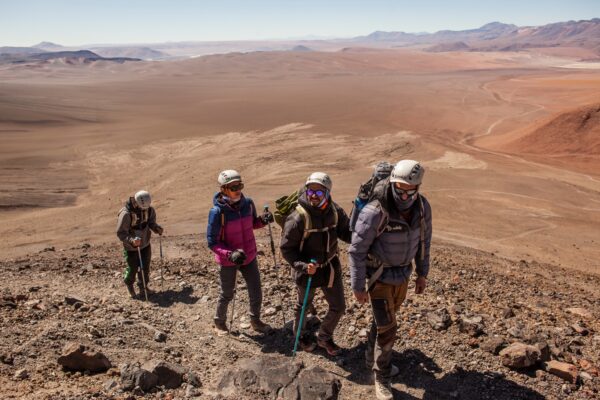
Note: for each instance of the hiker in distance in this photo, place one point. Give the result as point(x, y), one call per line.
point(392, 230)
point(136, 222)
point(230, 235)
point(311, 232)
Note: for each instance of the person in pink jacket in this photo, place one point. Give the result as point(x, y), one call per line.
point(230, 235)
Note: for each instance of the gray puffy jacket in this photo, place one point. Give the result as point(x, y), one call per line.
point(395, 247)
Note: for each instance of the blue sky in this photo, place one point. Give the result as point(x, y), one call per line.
point(78, 22)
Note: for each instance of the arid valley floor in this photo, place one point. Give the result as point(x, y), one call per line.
point(510, 142)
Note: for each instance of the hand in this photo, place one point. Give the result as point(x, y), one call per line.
point(237, 257)
point(311, 268)
point(420, 284)
point(136, 242)
point(267, 217)
point(159, 230)
point(361, 297)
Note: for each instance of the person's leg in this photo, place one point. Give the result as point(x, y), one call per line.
point(337, 306)
point(227, 277)
point(384, 317)
point(252, 277)
point(146, 259)
point(132, 260)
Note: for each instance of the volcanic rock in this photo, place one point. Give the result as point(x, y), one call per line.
point(77, 357)
point(520, 355)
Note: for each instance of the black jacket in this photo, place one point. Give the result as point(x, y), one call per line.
point(315, 246)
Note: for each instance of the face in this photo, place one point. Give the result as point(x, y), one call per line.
point(315, 193)
point(405, 190)
point(233, 190)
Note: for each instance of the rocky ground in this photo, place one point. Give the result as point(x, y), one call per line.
point(449, 347)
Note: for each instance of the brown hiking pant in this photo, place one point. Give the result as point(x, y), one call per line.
point(385, 301)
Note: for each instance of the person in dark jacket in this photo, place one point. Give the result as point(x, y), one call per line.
point(136, 222)
point(230, 235)
point(311, 232)
point(392, 230)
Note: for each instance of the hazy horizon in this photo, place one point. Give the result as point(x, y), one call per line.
point(70, 23)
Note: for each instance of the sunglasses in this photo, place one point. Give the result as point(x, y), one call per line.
point(408, 192)
point(235, 188)
point(319, 193)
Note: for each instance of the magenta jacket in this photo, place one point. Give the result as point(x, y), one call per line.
point(232, 227)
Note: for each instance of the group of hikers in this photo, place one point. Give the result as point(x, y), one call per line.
point(388, 228)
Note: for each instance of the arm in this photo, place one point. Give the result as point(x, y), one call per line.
point(257, 222)
point(365, 232)
point(123, 226)
point(422, 266)
point(291, 236)
point(343, 228)
point(213, 233)
point(156, 228)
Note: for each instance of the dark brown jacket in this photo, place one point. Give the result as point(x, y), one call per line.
point(316, 245)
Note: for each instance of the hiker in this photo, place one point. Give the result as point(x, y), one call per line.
point(137, 221)
point(311, 232)
point(392, 230)
point(230, 235)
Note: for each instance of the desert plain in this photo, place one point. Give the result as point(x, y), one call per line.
point(510, 142)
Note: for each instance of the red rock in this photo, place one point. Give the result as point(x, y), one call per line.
point(566, 371)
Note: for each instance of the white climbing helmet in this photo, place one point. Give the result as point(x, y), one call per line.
point(143, 199)
point(228, 176)
point(321, 178)
point(408, 171)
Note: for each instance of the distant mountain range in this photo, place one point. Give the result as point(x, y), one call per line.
point(80, 56)
point(497, 36)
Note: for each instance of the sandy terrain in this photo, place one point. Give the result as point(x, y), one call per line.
point(77, 140)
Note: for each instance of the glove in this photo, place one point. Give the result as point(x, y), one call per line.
point(159, 229)
point(237, 257)
point(267, 217)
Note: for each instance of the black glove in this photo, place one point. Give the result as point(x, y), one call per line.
point(237, 257)
point(159, 229)
point(267, 217)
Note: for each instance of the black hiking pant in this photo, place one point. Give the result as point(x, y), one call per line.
point(133, 266)
point(228, 277)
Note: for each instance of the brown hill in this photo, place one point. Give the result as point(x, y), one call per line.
point(575, 132)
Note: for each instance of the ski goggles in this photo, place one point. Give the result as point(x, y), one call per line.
point(318, 193)
point(235, 187)
point(408, 192)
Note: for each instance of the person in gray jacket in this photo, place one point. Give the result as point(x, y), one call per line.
point(136, 221)
point(392, 230)
point(309, 243)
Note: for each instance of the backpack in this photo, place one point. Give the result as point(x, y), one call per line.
point(285, 205)
point(365, 192)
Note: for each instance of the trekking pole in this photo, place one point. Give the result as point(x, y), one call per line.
point(275, 266)
point(162, 280)
point(233, 305)
point(143, 275)
point(299, 327)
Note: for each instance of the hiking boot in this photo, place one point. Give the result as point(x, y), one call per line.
point(383, 389)
point(307, 344)
point(260, 326)
point(131, 291)
point(330, 346)
point(221, 328)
